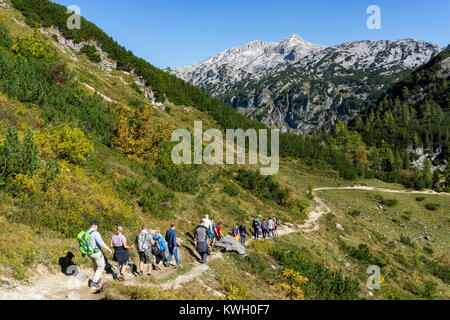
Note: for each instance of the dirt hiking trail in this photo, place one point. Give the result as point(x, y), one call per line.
point(60, 286)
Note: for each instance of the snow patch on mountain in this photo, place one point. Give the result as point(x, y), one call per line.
point(252, 60)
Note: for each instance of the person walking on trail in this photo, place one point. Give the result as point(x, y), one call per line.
point(144, 244)
point(201, 241)
point(271, 226)
point(219, 231)
point(264, 229)
point(213, 232)
point(98, 259)
point(243, 233)
point(275, 228)
point(171, 238)
point(208, 224)
point(121, 254)
point(235, 233)
point(256, 227)
point(161, 253)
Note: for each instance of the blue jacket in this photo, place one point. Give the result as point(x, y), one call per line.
point(161, 242)
point(171, 238)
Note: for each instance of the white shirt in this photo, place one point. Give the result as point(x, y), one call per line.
point(207, 223)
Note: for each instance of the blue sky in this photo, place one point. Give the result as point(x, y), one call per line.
point(181, 32)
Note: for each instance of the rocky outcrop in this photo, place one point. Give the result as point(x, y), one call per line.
point(298, 86)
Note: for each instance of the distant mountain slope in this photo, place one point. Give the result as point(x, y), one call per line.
point(253, 60)
point(300, 87)
point(413, 117)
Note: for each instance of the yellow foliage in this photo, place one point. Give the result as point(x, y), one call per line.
point(65, 142)
point(27, 184)
point(138, 135)
point(30, 47)
point(291, 283)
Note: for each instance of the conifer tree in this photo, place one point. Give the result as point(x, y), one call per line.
point(10, 154)
point(30, 161)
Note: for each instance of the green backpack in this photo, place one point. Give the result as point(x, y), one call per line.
point(84, 239)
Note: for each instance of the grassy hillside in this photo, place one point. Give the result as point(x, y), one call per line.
point(76, 164)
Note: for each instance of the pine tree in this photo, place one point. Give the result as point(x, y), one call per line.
point(10, 154)
point(30, 160)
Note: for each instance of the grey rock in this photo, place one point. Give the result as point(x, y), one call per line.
point(230, 244)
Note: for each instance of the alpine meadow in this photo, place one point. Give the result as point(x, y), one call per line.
point(302, 171)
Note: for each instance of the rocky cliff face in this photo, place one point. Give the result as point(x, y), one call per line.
point(299, 86)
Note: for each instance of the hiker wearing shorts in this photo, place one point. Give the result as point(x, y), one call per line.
point(121, 254)
point(144, 243)
point(97, 258)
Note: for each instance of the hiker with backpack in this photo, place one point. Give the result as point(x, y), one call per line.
point(144, 241)
point(264, 229)
point(121, 254)
point(201, 241)
point(256, 227)
point(91, 244)
point(159, 249)
point(243, 233)
point(270, 227)
point(235, 233)
point(171, 238)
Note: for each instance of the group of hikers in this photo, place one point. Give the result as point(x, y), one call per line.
point(154, 249)
point(207, 233)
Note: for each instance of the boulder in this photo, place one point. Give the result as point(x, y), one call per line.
point(230, 244)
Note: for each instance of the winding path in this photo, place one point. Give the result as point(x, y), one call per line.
point(62, 287)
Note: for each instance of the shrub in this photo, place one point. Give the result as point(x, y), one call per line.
point(432, 206)
point(390, 202)
point(18, 157)
point(138, 135)
point(136, 88)
point(441, 271)
point(428, 250)
point(299, 207)
point(419, 199)
point(354, 213)
point(235, 290)
point(30, 47)
point(362, 254)
point(264, 187)
point(231, 190)
point(291, 283)
point(66, 142)
point(407, 241)
point(5, 39)
point(91, 52)
point(324, 283)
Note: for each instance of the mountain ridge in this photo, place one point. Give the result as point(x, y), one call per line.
point(278, 92)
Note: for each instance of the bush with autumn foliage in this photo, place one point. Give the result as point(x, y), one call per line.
point(139, 136)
